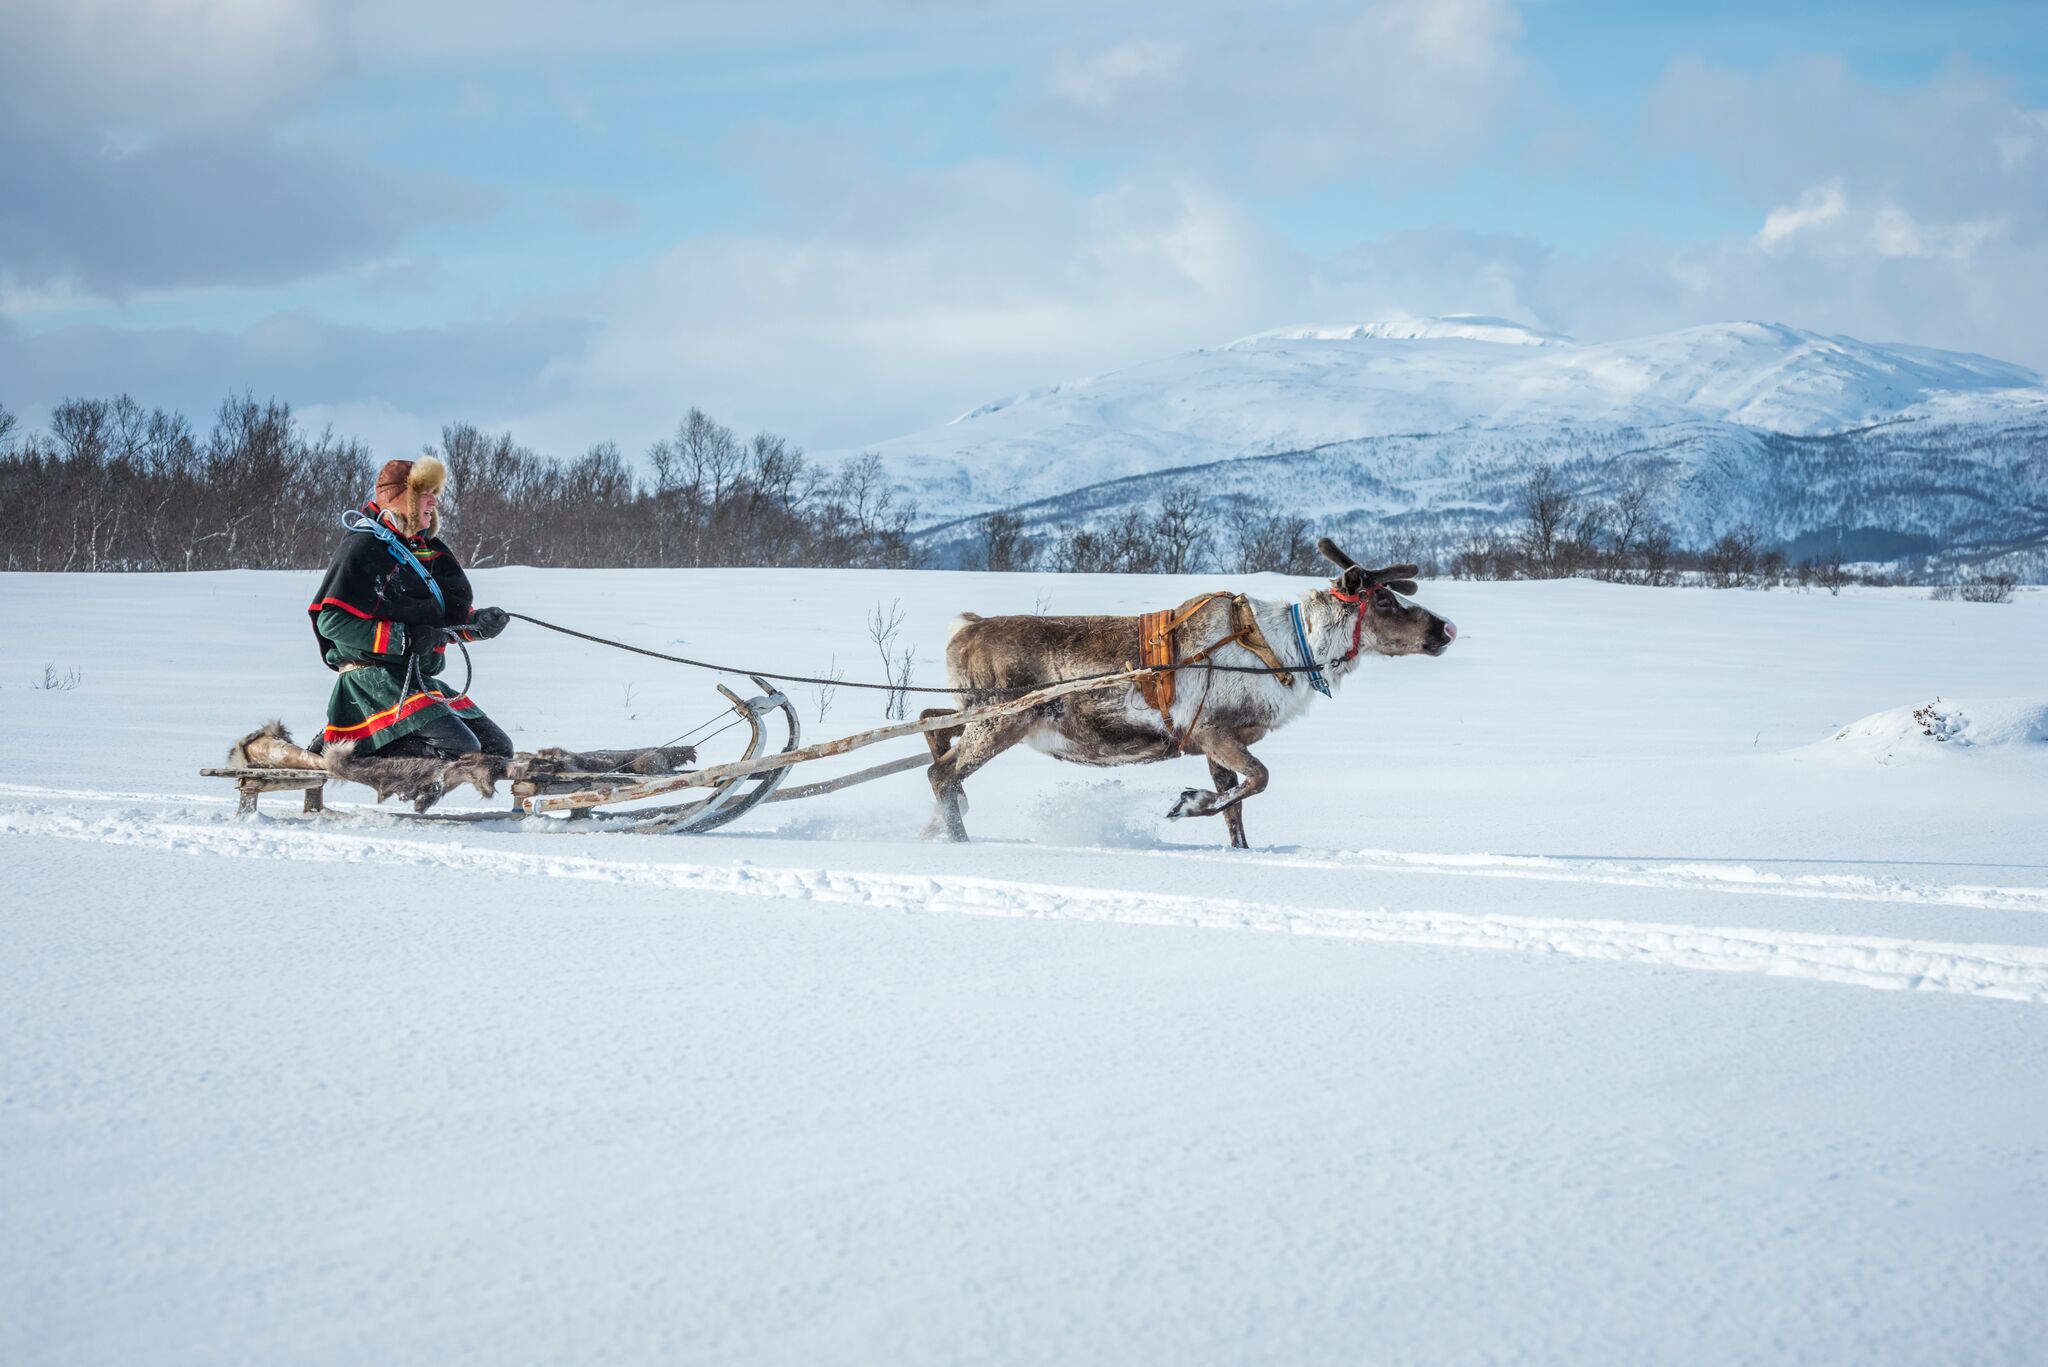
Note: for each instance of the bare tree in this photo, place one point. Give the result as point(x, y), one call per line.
point(1004, 545)
point(824, 694)
point(1261, 540)
point(1180, 534)
point(1991, 588)
point(1630, 517)
point(1548, 510)
point(883, 627)
point(1736, 560)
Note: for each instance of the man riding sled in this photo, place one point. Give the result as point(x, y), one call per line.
point(392, 603)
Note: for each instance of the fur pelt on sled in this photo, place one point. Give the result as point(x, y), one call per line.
point(420, 781)
point(270, 746)
point(653, 762)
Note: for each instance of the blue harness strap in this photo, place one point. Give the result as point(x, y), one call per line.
point(361, 522)
point(1309, 666)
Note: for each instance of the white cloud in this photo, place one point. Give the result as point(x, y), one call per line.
point(1894, 232)
point(1295, 96)
point(913, 299)
point(215, 209)
point(1099, 80)
point(1824, 221)
point(1953, 150)
point(158, 65)
point(1818, 207)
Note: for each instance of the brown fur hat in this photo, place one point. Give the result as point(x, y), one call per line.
point(399, 481)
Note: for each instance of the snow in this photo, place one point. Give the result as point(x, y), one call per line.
point(1923, 730)
point(1473, 327)
point(1592, 994)
point(1298, 388)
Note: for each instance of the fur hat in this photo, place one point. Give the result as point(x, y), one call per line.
point(400, 479)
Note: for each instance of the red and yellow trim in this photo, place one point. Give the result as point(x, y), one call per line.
point(349, 608)
point(380, 638)
point(390, 716)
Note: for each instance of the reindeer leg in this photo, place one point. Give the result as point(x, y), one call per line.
point(1228, 757)
point(977, 745)
point(1233, 815)
point(938, 742)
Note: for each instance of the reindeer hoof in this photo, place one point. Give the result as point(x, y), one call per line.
point(1189, 804)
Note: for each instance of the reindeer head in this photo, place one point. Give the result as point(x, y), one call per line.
point(1394, 627)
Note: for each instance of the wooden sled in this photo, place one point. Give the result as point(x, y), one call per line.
point(735, 788)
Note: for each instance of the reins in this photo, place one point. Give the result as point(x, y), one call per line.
point(1361, 603)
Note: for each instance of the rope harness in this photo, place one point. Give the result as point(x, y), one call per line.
point(1156, 631)
point(1156, 635)
point(357, 521)
point(1276, 668)
point(1159, 640)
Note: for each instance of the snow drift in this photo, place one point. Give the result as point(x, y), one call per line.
point(1948, 724)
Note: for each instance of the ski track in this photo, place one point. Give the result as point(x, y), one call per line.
point(2008, 972)
point(1736, 879)
point(1739, 879)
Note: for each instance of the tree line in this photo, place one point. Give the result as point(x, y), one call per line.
point(1549, 531)
point(114, 486)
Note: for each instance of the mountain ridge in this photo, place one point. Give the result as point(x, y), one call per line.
point(1435, 423)
point(1297, 388)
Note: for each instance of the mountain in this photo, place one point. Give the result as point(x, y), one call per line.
point(1433, 424)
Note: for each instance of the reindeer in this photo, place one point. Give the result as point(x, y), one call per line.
point(1217, 714)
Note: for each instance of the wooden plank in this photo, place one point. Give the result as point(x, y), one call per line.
point(721, 773)
point(833, 785)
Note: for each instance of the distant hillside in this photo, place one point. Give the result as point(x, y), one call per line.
point(1432, 426)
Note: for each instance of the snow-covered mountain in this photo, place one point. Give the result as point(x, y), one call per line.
point(1425, 415)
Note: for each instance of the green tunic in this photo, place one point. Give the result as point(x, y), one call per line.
point(364, 614)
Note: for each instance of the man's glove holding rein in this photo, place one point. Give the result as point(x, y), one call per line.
point(488, 622)
point(426, 640)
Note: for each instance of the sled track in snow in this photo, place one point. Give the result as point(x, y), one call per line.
point(2009, 972)
point(1663, 875)
point(1667, 875)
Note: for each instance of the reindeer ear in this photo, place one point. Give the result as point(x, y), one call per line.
point(1404, 586)
point(1354, 581)
point(1333, 555)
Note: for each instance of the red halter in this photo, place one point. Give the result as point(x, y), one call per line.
point(1363, 602)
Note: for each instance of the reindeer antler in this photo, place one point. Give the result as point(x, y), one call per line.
point(1399, 578)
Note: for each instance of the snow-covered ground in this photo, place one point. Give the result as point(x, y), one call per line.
point(1642, 981)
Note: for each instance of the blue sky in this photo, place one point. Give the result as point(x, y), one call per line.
point(847, 221)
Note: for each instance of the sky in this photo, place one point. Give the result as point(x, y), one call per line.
point(846, 221)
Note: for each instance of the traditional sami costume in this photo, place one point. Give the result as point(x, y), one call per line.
point(382, 588)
